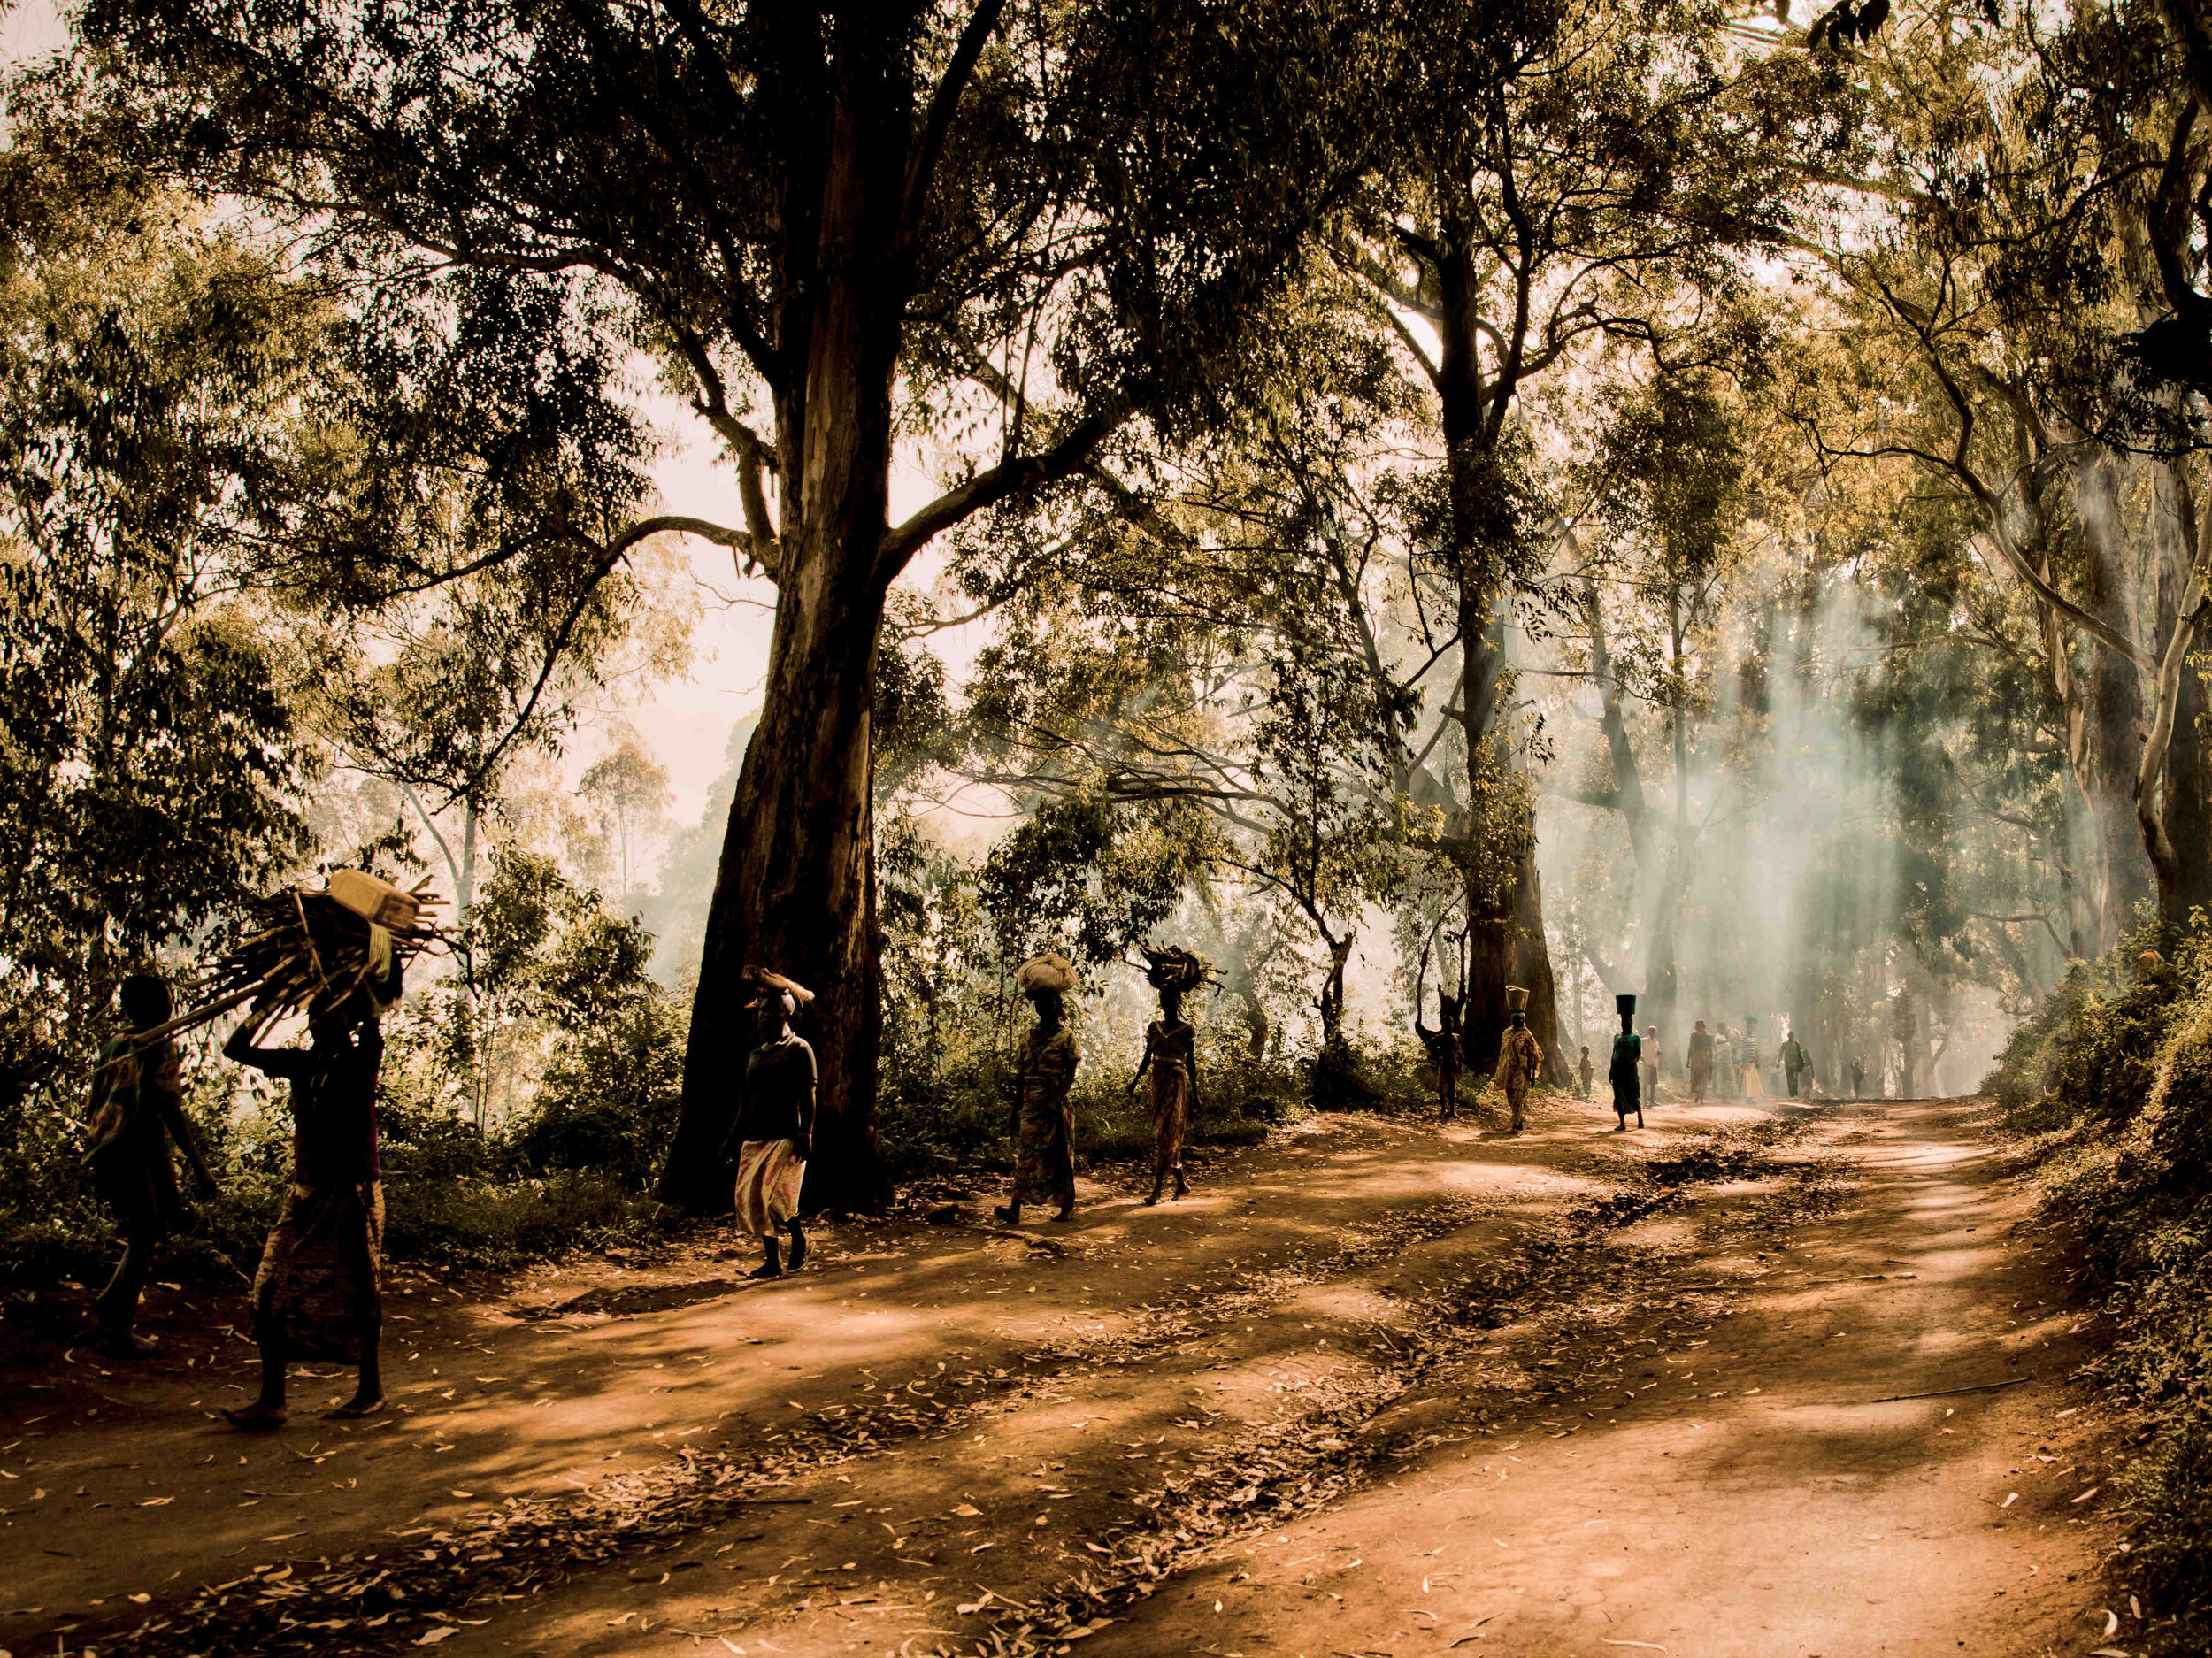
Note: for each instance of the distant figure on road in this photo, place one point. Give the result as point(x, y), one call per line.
point(1858, 1077)
point(1586, 1072)
point(1444, 1051)
point(1624, 1073)
point(1044, 1145)
point(1651, 1063)
point(1754, 1085)
point(1520, 1058)
point(1795, 1061)
point(1700, 1062)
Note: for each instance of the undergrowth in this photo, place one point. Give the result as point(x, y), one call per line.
point(2113, 1080)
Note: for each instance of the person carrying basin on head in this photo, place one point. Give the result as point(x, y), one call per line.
point(1622, 1073)
point(1044, 1133)
point(773, 1133)
point(1444, 1051)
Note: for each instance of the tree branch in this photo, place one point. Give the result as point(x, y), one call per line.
point(992, 485)
point(944, 104)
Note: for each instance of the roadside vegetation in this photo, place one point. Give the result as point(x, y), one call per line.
point(2111, 1081)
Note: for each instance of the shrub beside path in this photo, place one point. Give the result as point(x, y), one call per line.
point(1788, 1380)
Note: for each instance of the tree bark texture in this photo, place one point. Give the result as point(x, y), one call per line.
point(794, 892)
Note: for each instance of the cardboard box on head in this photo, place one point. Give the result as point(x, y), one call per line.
point(375, 900)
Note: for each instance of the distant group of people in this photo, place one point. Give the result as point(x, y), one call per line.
point(1722, 1065)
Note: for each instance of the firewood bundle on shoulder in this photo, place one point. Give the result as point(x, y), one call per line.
point(305, 950)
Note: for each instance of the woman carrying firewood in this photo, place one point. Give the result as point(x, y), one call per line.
point(318, 1293)
point(773, 1134)
point(1171, 1054)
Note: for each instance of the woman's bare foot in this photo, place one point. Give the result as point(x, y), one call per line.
point(256, 1418)
point(766, 1269)
point(354, 1409)
point(1011, 1213)
point(1066, 1214)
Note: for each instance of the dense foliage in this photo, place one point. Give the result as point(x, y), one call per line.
point(2114, 1076)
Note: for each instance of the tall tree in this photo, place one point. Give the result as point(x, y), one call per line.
point(151, 773)
point(1574, 183)
point(821, 219)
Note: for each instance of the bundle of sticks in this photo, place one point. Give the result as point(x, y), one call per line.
point(309, 950)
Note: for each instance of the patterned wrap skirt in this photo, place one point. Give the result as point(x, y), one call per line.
point(769, 1174)
point(1044, 1153)
point(319, 1288)
point(1171, 1112)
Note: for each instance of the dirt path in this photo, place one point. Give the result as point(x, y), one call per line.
point(1377, 1388)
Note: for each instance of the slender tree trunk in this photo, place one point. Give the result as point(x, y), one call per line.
point(2174, 787)
point(1506, 943)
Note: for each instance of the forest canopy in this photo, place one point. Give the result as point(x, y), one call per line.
point(1591, 496)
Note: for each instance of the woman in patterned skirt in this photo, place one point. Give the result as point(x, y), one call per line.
point(1044, 1165)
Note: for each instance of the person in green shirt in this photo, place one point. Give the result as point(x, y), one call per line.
point(1628, 1053)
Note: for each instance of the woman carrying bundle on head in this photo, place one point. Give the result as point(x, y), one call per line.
point(318, 1291)
point(773, 1133)
point(1044, 1147)
point(1171, 1054)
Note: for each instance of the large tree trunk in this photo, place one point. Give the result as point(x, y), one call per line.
point(2174, 788)
point(795, 892)
point(1506, 940)
point(2106, 717)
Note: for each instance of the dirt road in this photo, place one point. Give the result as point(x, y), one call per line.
point(1377, 1387)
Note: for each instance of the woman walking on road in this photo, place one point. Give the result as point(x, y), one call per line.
point(1044, 1150)
point(1171, 1054)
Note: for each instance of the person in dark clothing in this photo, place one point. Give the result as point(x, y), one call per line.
point(1795, 1061)
point(1858, 1077)
point(773, 1133)
point(318, 1291)
point(1583, 1074)
point(1628, 1053)
point(137, 1111)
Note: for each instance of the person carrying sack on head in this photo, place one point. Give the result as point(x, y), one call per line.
point(773, 1133)
point(1044, 1131)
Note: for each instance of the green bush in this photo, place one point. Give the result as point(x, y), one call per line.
point(2115, 1073)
